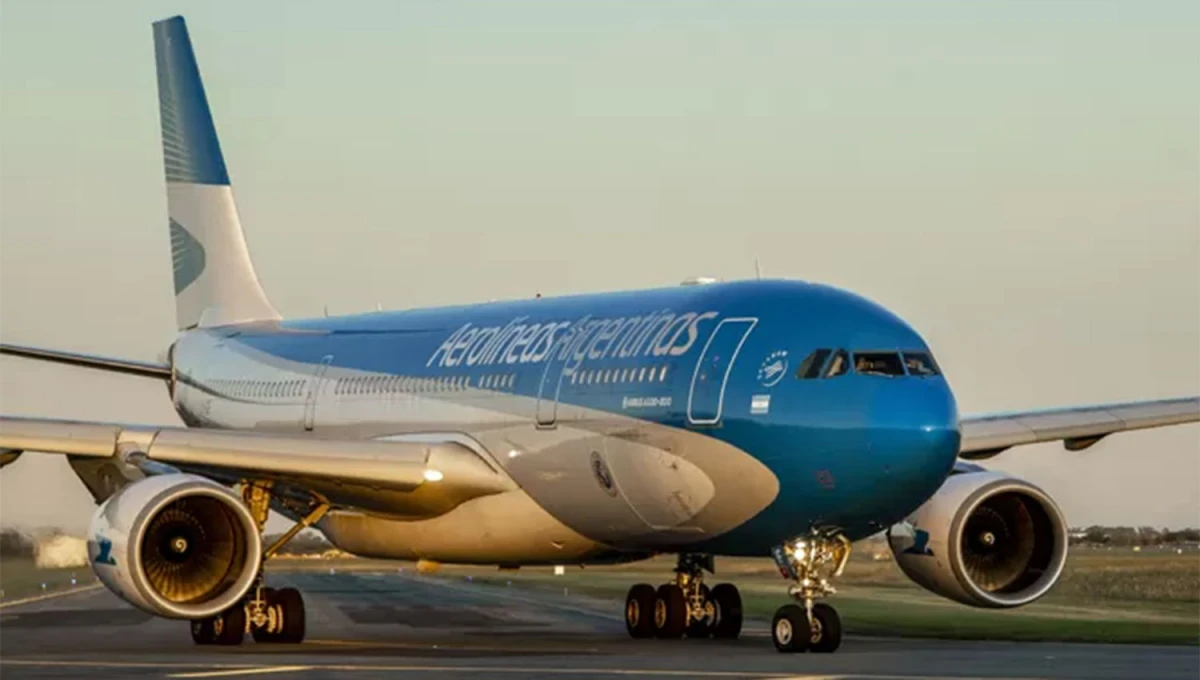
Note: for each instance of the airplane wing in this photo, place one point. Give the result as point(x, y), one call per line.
point(1078, 428)
point(410, 478)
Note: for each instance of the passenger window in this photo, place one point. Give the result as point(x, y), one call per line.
point(838, 365)
point(920, 364)
point(811, 366)
point(878, 363)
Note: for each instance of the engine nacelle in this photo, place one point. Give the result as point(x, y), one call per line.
point(984, 539)
point(178, 546)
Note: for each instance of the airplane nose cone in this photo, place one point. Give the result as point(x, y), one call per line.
point(915, 435)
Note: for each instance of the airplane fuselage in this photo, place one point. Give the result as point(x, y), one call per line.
point(661, 420)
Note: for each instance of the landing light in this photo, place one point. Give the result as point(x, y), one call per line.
point(433, 476)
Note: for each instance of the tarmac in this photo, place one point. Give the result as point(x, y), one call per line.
point(405, 625)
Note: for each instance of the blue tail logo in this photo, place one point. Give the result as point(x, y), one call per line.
point(187, 257)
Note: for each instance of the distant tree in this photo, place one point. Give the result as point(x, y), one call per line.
point(304, 543)
point(13, 543)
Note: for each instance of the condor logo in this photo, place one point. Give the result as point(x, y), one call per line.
point(920, 544)
point(104, 552)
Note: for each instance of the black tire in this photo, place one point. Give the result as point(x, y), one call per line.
point(231, 626)
point(639, 611)
point(789, 629)
point(702, 628)
point(292, 605)
point(826, 634)
point(262, 635)
point(727, 602)
point(204, 631)
point(670, 612)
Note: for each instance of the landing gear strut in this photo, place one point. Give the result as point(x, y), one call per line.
point(810, 562)
point(686, 606)
point(269, 615)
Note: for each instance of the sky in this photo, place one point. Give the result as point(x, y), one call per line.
point(1018, 180)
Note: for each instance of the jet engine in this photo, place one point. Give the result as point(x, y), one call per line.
point(176, 545)
point(984, 539)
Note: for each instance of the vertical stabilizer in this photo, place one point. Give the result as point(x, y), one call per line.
point(215, 281)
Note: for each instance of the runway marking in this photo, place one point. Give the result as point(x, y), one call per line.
point(261, 670)
point(51, 596)
point(386, 644)
point(483, 590)
point(228, 670)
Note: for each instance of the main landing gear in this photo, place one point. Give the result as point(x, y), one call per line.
point(269, 615)
point(810, 562)
point(685, 607)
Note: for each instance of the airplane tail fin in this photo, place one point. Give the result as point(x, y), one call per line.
point(215, 282)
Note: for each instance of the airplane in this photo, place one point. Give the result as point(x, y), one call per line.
point(742, 418)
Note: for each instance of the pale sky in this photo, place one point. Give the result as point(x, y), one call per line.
point(1019, 180)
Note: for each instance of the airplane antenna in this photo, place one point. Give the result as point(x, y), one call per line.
point(326, 311)
point(757, 270)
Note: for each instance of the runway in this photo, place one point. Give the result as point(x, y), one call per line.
point(388, 625)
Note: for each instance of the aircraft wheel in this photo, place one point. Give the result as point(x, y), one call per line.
point(826, 632)
point(292, 606)
point(789, 629)
point(204, 631)
point(670, 612)
point(639, 611)
point(702, 627)
point(230, 626)
point(727, 603)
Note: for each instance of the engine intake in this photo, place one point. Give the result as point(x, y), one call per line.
point(984, 539)
point(178, 546)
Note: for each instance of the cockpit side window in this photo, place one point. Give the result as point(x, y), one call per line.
point(920, 364)
point(878, 363)
point(811, 366)
point(839, 365)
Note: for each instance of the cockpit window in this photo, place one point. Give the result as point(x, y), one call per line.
point(812, 364)
point(920, 364)
point(838, 365)
point(878, 363)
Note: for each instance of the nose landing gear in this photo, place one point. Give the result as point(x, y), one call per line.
point(685, 607)
point(811, 562)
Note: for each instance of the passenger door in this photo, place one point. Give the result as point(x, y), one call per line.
point(707, 393)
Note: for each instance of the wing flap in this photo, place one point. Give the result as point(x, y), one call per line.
point(413, 478)
point(1081, 427)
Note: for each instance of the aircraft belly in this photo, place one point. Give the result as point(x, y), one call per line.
point(506, 528)
point(635, 484)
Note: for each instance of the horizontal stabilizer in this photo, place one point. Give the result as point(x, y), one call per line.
point(144, 369)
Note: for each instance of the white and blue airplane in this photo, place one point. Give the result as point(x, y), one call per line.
point(746, 418)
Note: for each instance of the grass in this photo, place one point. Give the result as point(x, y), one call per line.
point(1112, 596)
point(20, 578)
